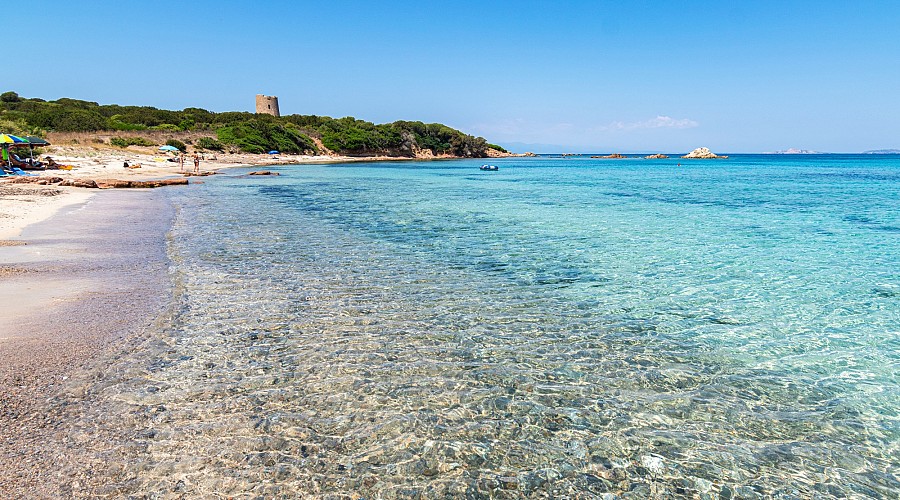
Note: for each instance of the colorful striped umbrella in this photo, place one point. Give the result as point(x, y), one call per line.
point(12, 139)
point(6, 140)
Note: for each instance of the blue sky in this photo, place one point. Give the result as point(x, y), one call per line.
point(578, 75)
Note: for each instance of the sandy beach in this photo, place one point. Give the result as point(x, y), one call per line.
point(80, 290)
point(25, 204)
point(77, 290)
point(69, 274)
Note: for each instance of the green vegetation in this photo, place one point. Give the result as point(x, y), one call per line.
point(242, 131)
point(175, 143)
point(209, 143)
point(498, 148)
point(260, 136)
point(124, 142)
point(15, 127)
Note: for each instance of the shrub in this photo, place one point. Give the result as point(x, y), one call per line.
point(115, 123)
point(77, 120)
point(259, 136)
point(359, 136)
point(15, 127)
point(124, 142)
point(498, 148)
point(166, 126)
point(175, 143)
point(9, 97)
point(210, 143)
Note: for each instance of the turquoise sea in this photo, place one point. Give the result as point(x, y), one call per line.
point(561, 328)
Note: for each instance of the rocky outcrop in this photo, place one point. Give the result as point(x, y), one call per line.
point(34, 180)
point(703, 153)
point(493, 153)
point(656, 157)
point(117, 183)
point(614, 156)
point(99, 183)
point(263, 172)
point(80, 183)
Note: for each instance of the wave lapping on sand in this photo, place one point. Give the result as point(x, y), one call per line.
point(25, 205)
point(82, 291)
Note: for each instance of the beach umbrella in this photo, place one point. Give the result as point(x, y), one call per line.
point(273, 152)
point(6, 140)
point(12, 139)
point(35, 141)
point(168, 148)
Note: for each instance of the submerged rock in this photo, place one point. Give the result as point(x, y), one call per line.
point(703, 153)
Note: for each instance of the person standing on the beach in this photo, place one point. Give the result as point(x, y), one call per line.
point(196, 164)
point(181, 161)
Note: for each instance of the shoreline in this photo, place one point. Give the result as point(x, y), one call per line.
point(80, 293)
point(23, 204)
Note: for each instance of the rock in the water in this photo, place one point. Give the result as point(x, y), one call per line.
point(263, 172)
point(656, 157)
point(703, 153)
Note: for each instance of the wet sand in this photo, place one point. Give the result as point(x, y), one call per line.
point(83, 290)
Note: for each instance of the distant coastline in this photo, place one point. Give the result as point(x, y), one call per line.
point(74, 121)
point(882, 152)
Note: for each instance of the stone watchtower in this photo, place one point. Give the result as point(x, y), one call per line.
point(267, 105)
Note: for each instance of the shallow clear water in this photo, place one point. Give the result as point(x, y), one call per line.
point(559, 327)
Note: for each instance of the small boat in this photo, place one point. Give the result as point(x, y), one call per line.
point(489, 167)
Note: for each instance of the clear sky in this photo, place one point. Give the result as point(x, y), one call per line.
point(580, 75)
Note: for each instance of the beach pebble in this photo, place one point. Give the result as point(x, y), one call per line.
point(653, 463)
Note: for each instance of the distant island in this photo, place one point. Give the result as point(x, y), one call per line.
point(793, 151)
point(882, 152)
point(237, 131)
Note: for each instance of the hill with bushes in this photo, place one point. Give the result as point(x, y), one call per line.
point(241, 131)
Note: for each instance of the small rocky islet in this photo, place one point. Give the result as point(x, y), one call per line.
point(703, 153)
